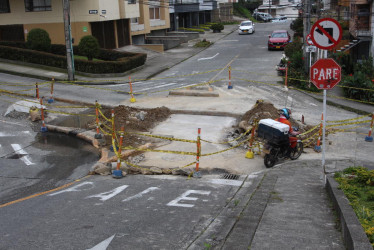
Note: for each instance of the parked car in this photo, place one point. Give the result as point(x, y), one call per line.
point(262, 16)
point(246, 27)
point(279, 19)
point(278, 39)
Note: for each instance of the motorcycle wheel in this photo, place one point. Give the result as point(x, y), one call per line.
point(296, 151)
point(269, 160)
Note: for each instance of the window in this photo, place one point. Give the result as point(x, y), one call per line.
point(131, 1)
point(37, 5)
point(4, 6)
point(154, 13)
point(134, 20)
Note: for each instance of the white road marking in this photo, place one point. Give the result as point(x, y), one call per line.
point(208, 58)
point(104, 244)
point(156, 87)
point(235, 183)
point(13, 123)
point(148, 190)
point(109, 194)
point(13, 134)
point(226, 91)
point(22, 152)
point(312, 104)
point(242, 88)
point(75, 188)
point(184, 196)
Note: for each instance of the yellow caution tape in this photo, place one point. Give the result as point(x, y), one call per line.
point(347, 120)
point(161, 151)
point(310, 130)
point(67, 113)
point(162, 137)
point(218, 152)
point(106, 118)
point(348, 123)
point(236, 139)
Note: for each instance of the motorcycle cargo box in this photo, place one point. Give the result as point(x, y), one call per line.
point(273, 131)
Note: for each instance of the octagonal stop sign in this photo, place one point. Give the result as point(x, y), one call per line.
point(325, 73)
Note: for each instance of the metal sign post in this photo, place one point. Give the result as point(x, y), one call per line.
point(324, 129)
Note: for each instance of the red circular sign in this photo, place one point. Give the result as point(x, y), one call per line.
point(309, 39)
point(326, 33)
point(325, 73)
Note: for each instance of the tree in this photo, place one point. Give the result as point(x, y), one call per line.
point(89, 46)
point(38, 39)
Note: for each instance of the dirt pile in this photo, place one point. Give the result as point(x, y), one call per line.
point(135, 120)
point(261, 110)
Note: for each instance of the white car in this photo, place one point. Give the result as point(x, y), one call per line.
point(246, 27)
point(279, 19)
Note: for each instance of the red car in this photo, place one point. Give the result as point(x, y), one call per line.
point(278, 39)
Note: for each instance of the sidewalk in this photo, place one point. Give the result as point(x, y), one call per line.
point(156, 62)
point(290, 208)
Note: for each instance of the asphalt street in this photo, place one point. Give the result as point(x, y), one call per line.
point(262, 208)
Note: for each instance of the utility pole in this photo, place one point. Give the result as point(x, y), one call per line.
point(69, 48)
point(308, 9)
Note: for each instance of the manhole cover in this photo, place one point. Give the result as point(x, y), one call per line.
point(230, 176)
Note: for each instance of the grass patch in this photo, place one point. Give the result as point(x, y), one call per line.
point(85, 58)
point(357, 183)
point(203, 43)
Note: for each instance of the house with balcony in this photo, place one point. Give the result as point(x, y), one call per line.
point(115, 23)
point(361, 28)
point(189, 13)
point(154, 20)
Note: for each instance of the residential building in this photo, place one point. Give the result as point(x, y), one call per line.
point(190, 13)
point(361, 28)
point(288, 8)
point(115, 23)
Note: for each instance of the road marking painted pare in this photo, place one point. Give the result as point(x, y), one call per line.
point(22, 152)
point(184, 196)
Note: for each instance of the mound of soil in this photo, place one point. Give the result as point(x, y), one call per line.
point(135, 120)
point(263, 110)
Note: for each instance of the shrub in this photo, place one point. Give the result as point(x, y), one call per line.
point(89, 46)
point(115, 62)
point(38, 39)
point(370, 195)
point(298, 27)
point(217, 26)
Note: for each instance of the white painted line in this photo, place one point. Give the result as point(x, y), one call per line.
point(109, 194)
point(139, 195)
point(312, 104)
point(13, 123)
point(225, 91)
point(184, 196)
point(20, 151)
point(104, 244)
point(208, 58)
point(156, 87)
point(75, 188)
point(2, 134)
point(235, 183)
point(242, 88)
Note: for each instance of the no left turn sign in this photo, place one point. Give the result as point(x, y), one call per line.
point(326, 33)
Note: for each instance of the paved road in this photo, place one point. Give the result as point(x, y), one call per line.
point(140, 212)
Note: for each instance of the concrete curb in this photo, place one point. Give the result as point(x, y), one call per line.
point(353, 234)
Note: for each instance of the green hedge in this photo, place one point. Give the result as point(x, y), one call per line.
point(114, 61)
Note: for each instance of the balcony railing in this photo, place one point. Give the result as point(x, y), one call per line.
point(180, 2)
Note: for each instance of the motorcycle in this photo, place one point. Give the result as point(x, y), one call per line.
point(277, 151)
